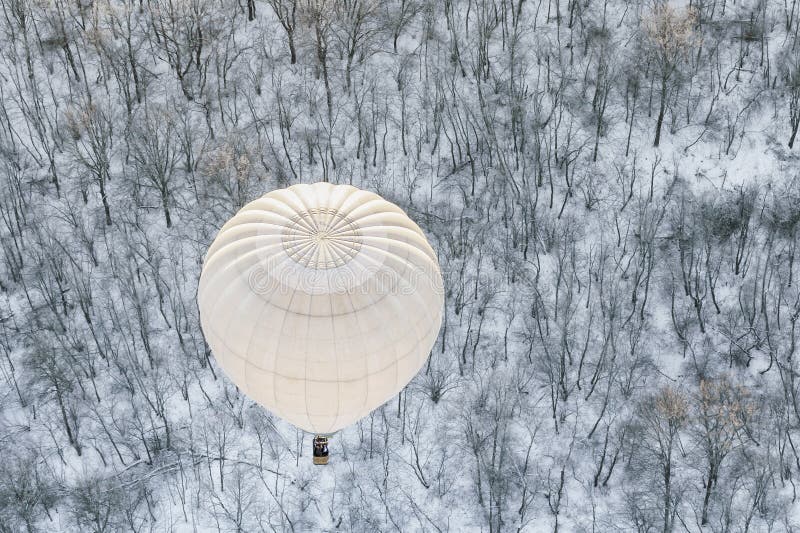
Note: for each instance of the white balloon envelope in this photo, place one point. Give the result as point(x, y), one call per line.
point(321, 302)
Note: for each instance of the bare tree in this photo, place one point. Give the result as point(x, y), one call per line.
point(154, 152)
point(91, 142)
point(662, 416)
point(791, 79)
point(722, 412)
point(671, 36)
point(286, 12)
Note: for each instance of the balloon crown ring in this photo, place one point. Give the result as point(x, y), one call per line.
point(321, 238)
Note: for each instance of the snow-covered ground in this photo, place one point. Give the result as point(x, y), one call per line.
point(619, 323)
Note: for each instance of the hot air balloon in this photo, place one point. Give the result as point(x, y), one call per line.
point(320, 302)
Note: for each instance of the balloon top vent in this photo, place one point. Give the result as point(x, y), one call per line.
point(321, 238)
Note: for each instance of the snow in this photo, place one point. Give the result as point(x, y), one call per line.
point(492, 447)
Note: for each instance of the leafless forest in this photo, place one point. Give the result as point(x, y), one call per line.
point(613, 190)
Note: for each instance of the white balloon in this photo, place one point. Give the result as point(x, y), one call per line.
point(321, 302)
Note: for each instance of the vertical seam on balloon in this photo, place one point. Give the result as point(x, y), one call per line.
point(333, 316)
point(394, 347)
point(305, 382)
point(336, 359)
point(414, 328)
point(365, 408)
point(253, 327)
point(256, 324)
point(424, 307)
point(224, 335)
point(365, 375)
point(278, 349)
